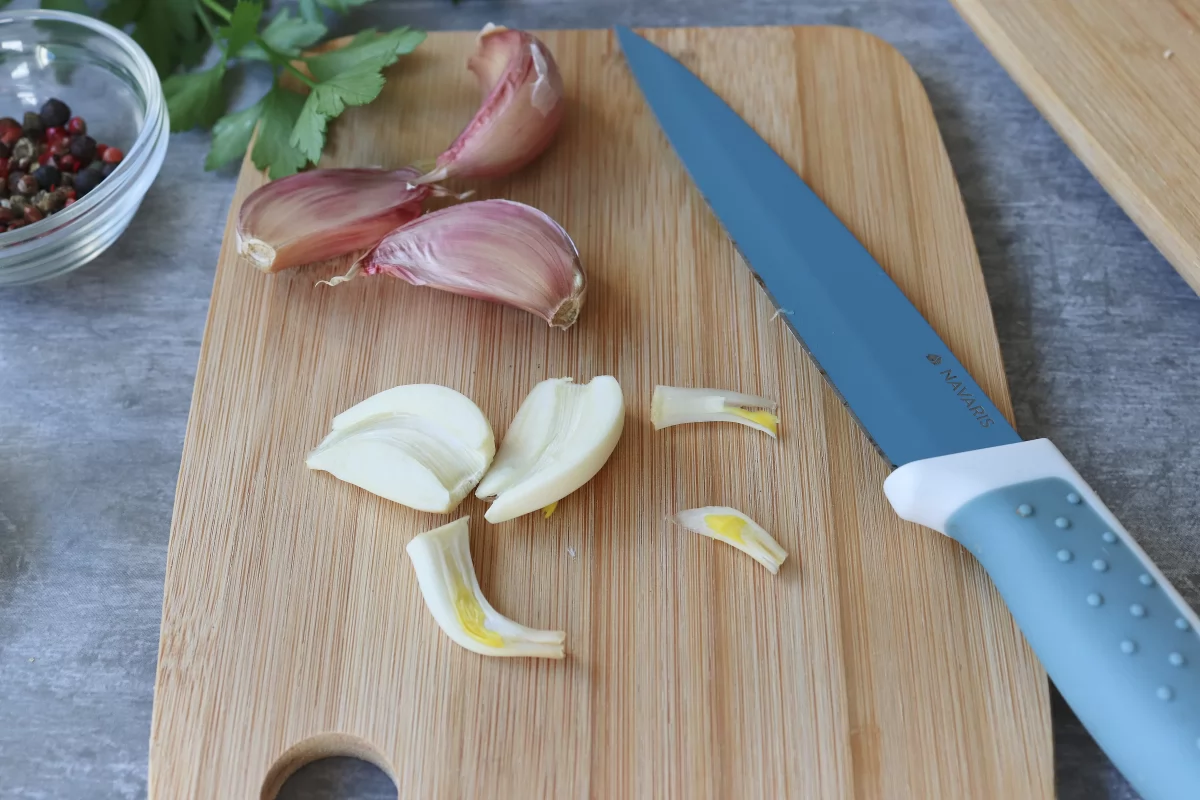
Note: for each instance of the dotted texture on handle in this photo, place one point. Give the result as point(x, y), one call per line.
point(1118, 647)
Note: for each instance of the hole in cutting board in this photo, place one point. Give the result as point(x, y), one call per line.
point(338, 778)
point(330, 766)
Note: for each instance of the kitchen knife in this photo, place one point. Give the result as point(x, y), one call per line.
point(1117, 639)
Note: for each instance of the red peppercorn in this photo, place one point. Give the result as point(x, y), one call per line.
point(101, 149)
point(45, 156)
point(69, 192)
point(61, 146)
point(70, 201)
point(76, 126)
point(10, 131)
point(3, 168)
point(53, 133)
point(33, 214)
point(17, 223)
point(112, 155)
point(68, 163)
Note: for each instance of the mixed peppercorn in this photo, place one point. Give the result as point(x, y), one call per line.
point(47, 162)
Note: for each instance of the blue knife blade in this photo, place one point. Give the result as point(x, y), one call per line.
point(1117, 639)
point(899, 379)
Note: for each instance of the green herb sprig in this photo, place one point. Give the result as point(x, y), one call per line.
point(178, 35)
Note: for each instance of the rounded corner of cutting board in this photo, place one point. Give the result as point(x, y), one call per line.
point(290, 611)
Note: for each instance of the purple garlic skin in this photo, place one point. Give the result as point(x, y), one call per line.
point(522, 108)
point(495, 250)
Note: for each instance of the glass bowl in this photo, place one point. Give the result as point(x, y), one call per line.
point(109, 81)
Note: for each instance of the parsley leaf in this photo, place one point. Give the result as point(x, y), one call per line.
point(179, 35)
point(342, 6)
point(280, 109)
point(165, 29)
point(388, 46)
point(120, 13)
point(328, 99)
point(195, 99)
point(310, 11)
point(289, 34)
point(243, 26)
point(231, 136)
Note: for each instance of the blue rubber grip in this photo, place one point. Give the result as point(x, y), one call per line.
point(1113, 642)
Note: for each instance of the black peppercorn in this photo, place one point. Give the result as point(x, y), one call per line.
point(108, 169)
point(27, 184)
point(48, 175)
point(87, 180)
point(33, 127)
point(14, 180)
point(55, 113)
point(83, 148)
point(5, 150)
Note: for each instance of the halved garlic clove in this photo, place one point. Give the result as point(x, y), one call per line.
point(522, 108)
point(733, 527)
point(446, 575)
point(562, 435)
point(325, 213)
point(424, 446)
point(673, 405)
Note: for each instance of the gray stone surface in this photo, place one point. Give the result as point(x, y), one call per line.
point(1099, 336)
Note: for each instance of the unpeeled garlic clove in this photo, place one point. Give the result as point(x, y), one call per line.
point(325, 213)
point(446, 575)
point(424, 446)
point(521, 111)
point(562, 435)
point(731, 526)
point(673, 405)
point(493, 250)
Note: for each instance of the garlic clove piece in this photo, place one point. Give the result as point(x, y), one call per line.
point(495, 250)
point(424, 446)
point(522, 108)
point(673, 405)
point(446, 576)
point(323, 213)
point(733, 527)
point(562, 435)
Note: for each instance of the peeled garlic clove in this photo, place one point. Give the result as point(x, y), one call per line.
point(325, 213)
point(672, 405)
point(424, 446)
point(521, 111)
point(733, 527)
point(561, 437)
point(446, 575)
point(494, 250)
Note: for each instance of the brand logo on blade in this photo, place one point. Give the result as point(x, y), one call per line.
point(960, 388)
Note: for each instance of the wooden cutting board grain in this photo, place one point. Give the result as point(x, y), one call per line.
point(1120, 82)
point(878, 663)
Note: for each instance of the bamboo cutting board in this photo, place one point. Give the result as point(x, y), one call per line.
point(878, 663)
point(1120, 82)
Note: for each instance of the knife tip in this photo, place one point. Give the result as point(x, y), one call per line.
point(624, 35)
